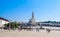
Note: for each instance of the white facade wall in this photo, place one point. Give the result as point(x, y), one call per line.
point(35, 26)
point(50, 23)
point(48, 27)
point(2, 22)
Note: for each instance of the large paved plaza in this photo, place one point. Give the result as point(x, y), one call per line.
point(41, 33)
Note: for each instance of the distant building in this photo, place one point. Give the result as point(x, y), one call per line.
point(3, 21)
point(32, 24)
point(32, 20)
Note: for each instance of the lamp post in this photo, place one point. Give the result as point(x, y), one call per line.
point(9, 26)
point(40, 25)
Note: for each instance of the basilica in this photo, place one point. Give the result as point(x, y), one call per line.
point(32, 24)
point(32, 20)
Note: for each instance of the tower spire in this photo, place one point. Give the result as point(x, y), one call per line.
point(32, 20)
point(32, 14)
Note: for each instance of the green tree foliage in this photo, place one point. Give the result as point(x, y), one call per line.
point(12, 25)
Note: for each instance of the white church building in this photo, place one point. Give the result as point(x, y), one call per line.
point(3, 21)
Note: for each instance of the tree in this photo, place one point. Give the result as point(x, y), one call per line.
point(12, 25)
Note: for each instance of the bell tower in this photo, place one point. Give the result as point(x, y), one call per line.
point(32, 15)
point(32, 20)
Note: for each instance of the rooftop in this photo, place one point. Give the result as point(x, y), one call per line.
point(3, 19)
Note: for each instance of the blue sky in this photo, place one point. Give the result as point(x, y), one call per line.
point(21, 10)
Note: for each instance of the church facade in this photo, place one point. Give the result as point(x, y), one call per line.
point(3, 21)
point(32, 24)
